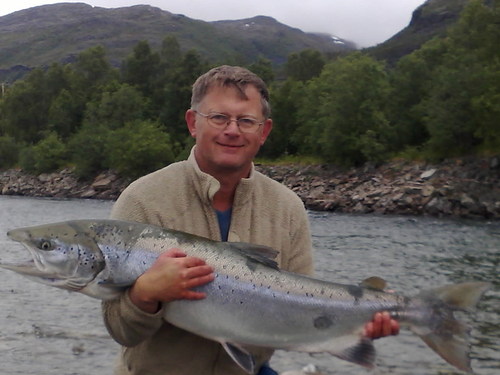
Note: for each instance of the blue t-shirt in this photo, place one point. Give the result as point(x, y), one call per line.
point(224, 218)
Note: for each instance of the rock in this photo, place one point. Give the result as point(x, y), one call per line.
point(495, 162)
point(465, 188)
point(103, 183)
point(428, 190)
point(428, 174)
point(438, 206)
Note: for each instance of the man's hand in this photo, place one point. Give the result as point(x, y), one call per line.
point(382, 325)
point(171, 277)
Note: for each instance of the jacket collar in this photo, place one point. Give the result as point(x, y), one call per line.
point(206, 186)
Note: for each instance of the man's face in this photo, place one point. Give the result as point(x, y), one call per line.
point(227, 150)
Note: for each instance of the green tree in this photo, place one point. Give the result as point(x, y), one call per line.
point(264, 69)
point(65, 114)
point(117, 105)
point(142, 69)
point(89, 150)
point(94, 68)
point(345, 116)
point(139, 148)
point(9, 152)
point(48, 155)
point(25, 108)
point(176, 95)
point(411, 84)
point(304, 65)
point(462, 108)
point(286, 100)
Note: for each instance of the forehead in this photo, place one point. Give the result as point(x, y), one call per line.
point(225, 98)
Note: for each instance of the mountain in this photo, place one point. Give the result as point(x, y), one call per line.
point(42, 35)
point(429, 20)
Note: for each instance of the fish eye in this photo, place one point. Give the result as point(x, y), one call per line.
point(45, 245)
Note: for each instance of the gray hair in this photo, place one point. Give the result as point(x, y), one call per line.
point(230, 76)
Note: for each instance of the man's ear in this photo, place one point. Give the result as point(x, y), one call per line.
point(267, 126)
point(190, 117)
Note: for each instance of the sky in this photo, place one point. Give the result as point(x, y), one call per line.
point(365, 22)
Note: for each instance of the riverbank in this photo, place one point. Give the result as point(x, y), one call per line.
point(465, 187)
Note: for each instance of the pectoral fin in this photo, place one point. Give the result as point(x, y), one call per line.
point(241, 356)
point(257, 253)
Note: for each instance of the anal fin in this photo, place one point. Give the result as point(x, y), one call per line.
point(241, 356)
point(362, 353)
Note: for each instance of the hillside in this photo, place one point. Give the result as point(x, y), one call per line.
point(429, 20)
point(42, 35)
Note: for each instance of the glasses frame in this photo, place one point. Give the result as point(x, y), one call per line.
point(253, 129)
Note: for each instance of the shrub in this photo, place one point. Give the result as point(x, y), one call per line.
point(9, 152)
point(138, 148)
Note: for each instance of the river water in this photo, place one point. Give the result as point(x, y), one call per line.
point(45, 330)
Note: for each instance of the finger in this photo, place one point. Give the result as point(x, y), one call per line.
point(193, 262)
point(198, 281)
point(192, 295)
point(174, 253)
point(386, 327)
point(377, 326)
point(193, 272)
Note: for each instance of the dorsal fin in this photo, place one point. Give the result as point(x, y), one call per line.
point(258, 253)
point(374, 282)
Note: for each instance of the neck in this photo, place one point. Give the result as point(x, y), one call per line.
point(224, 198)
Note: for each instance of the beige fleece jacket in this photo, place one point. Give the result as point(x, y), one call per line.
point(179, 197)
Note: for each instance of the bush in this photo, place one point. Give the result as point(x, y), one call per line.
point(27, 159)
point(49, 154)
point(9, 152)
point(89, 149)
point(138, 148)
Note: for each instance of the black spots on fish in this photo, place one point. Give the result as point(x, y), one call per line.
point(355, 291)
point(323, 322)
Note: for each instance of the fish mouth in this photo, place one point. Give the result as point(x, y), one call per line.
point(30, 270)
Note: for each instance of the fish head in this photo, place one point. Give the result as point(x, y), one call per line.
point(63, 255)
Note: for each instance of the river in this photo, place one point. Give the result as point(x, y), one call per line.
point(45, 330)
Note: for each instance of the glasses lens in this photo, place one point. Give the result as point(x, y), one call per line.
point(248, 125)
point(218, 119)
point(245, 124)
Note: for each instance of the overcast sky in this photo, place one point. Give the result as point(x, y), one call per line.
point(365, 22)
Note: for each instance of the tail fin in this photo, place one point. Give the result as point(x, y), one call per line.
point(440, 329)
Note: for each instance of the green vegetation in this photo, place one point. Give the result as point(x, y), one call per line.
point(442, 100)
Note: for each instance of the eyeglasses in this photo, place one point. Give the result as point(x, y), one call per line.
point(220, 121)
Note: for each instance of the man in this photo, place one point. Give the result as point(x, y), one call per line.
point(216, 193)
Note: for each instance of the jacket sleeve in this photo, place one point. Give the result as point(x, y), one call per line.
point(300, 259)
point(126, 323)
